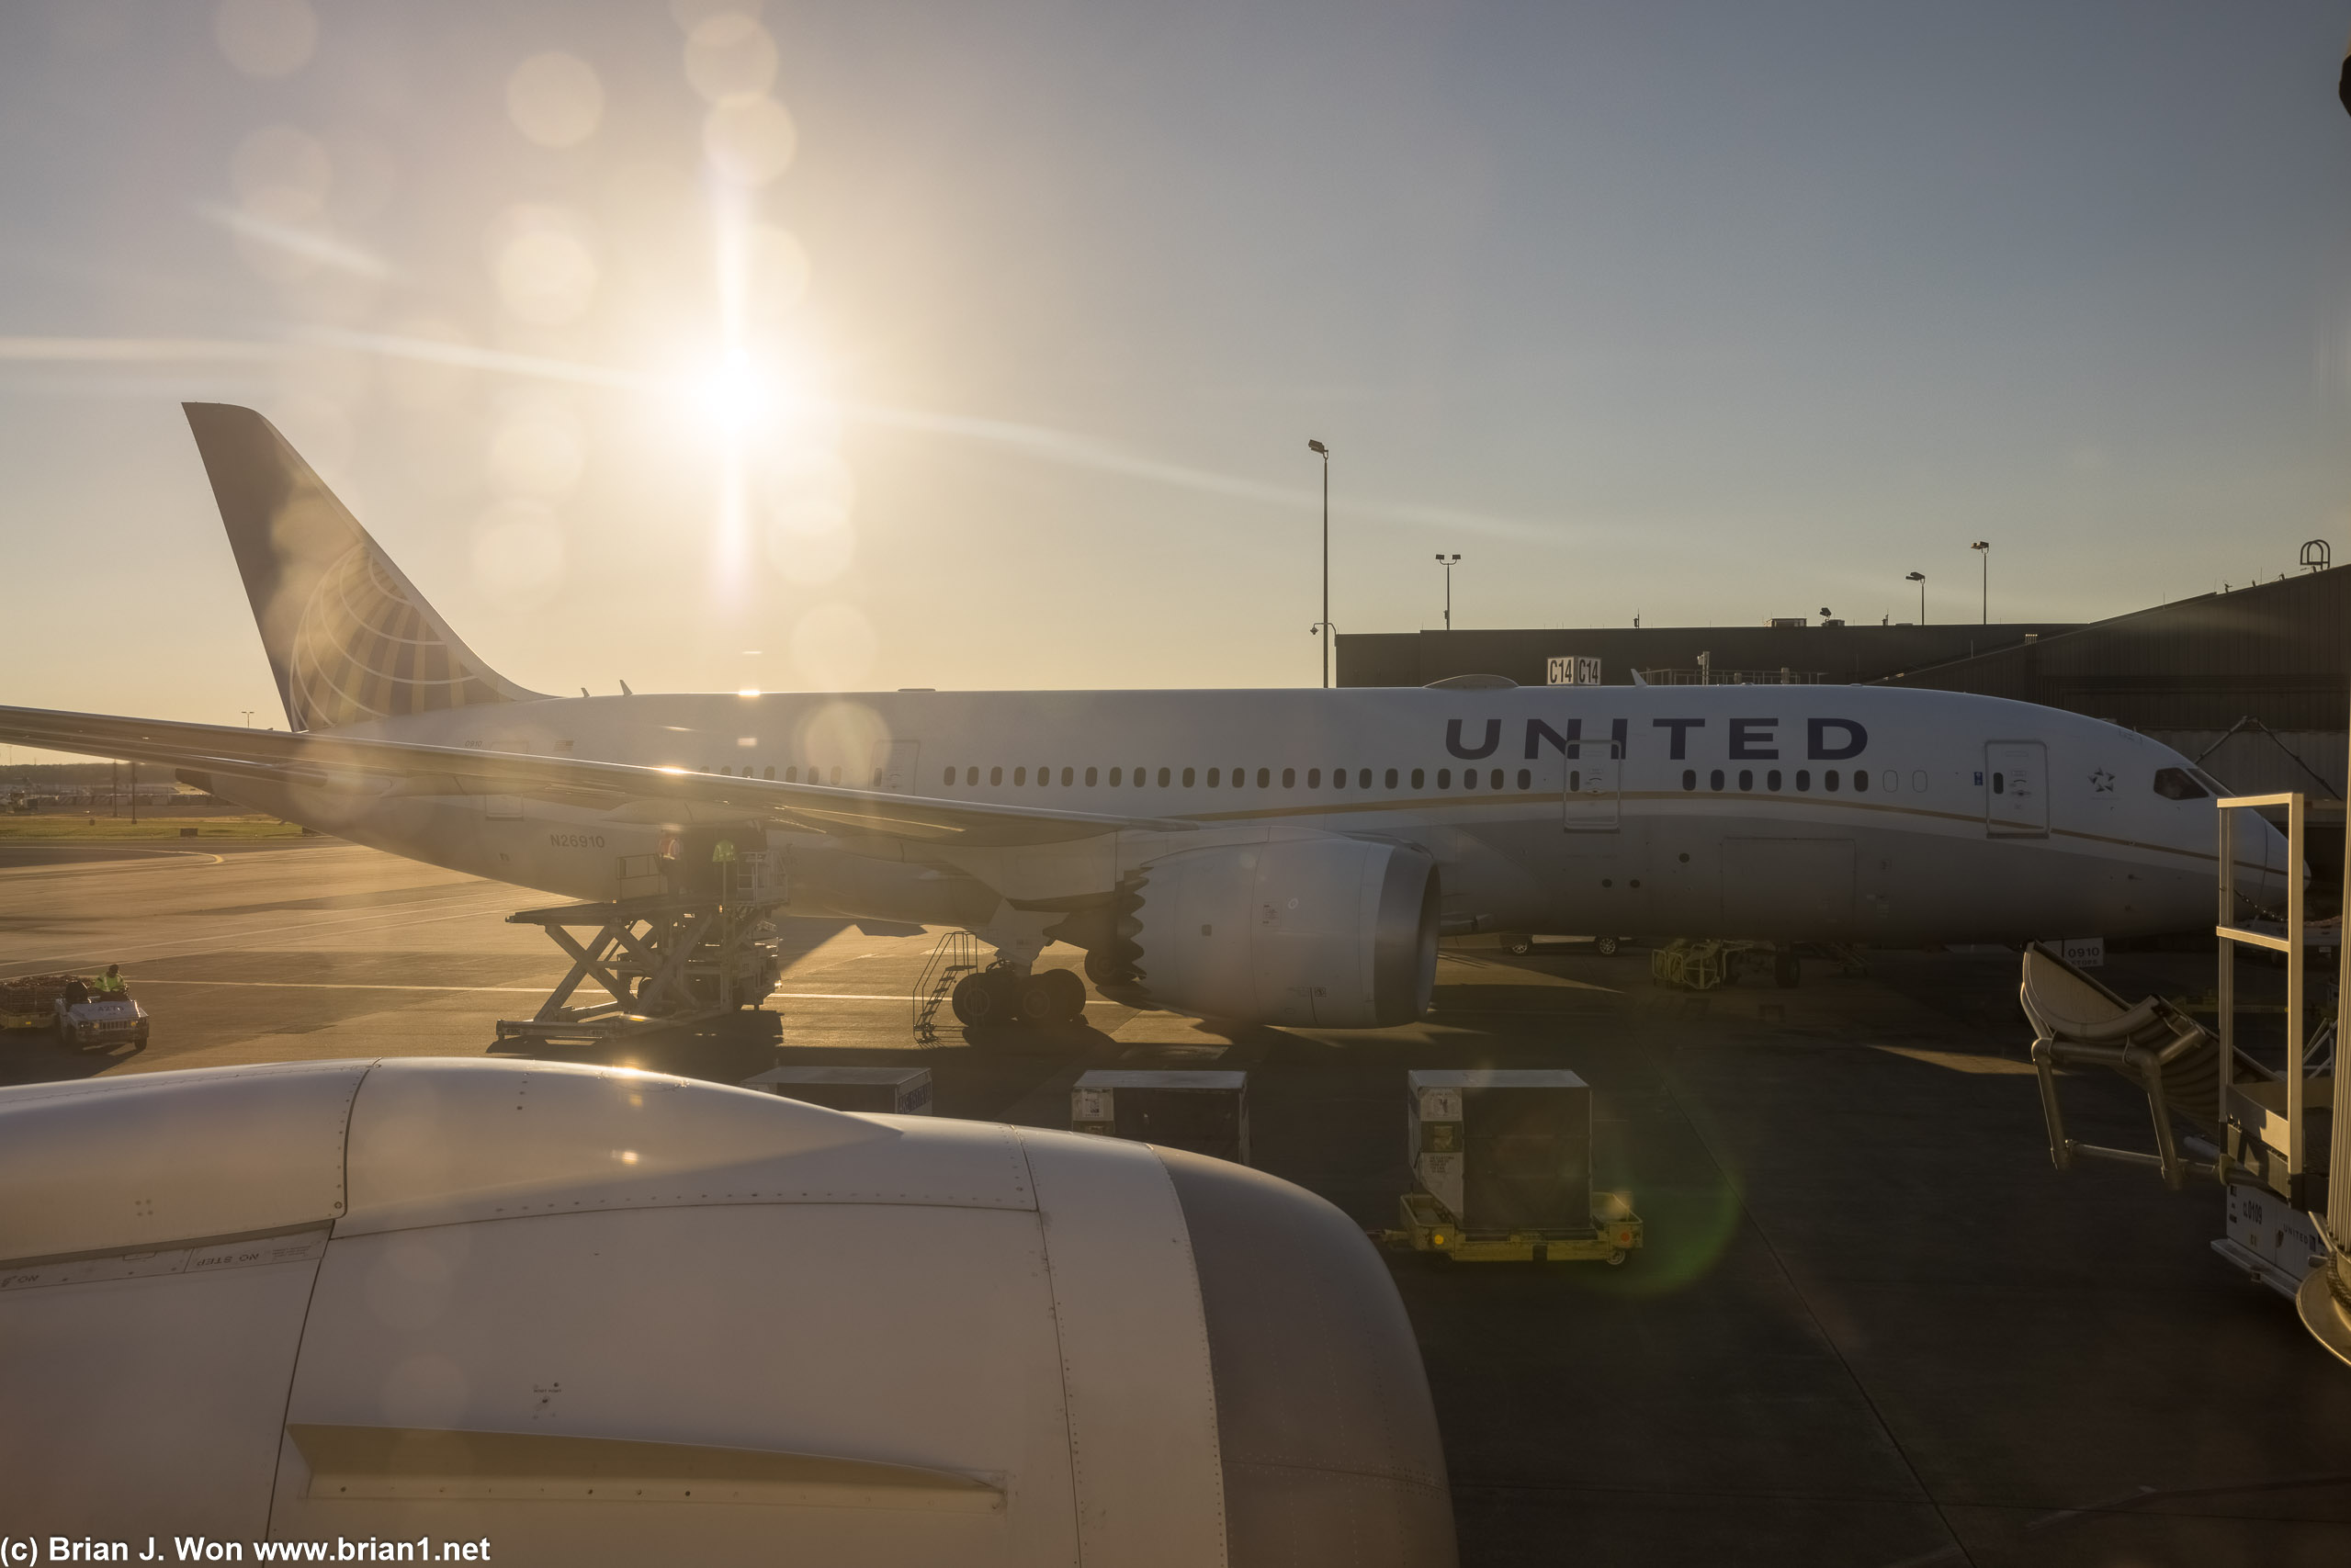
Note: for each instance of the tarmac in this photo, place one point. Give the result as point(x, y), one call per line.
point(1871, 1326)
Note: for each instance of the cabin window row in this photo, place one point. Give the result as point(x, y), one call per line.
point(1236, 778)
point(1833, 780)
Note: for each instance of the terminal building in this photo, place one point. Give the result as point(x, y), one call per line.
point(2255, 685)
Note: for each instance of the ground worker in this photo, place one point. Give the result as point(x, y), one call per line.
point(109, 981)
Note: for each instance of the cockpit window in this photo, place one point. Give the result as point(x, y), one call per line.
point(2175, 784)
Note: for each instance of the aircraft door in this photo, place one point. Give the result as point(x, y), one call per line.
point(1593, 786)
point(2016, 789)
point(894, 764)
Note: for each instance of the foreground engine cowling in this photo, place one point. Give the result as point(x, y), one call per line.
point(1326, 931)
point(602, 1316)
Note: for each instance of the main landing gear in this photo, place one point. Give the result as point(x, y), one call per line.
point(1001, 995)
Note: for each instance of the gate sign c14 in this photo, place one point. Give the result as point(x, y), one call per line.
point(1572, 672)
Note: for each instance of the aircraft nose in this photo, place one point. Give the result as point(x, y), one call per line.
point(2264, 864)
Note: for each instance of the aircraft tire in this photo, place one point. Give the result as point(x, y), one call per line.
point(976, 1000)
point(1519, 945)
point(1606, 946)
point(1040, 1001)
point(1073, 993)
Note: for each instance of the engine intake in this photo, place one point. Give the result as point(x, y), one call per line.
point(1327, 932)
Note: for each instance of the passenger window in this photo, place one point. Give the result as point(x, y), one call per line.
point(951, 775)
point(1746, 778)
point(1690, 778)
point(1469, 778)
point(1892, 781)
point(1391, 778)
point(1066, 777)
point(1187, 778)
point(1526, 779)
point(1919, 780)
point(1363, 778)
point(1092, 777)
point(1314, 778)
point(1495, 781)
point(1417, 776)
point(1140, 780)
point(1803, 778)
point(1115, 775)
point(771, 773)
point(1771, 780)
point(1860, 780)
point(1999, 783)
point(1163, 778)
point(1444, 778)
point(1289, 778)
point(2174, 783)
point(1020, 775)
point(791, 775)
point(1714, 779)
point(1828, 781)
point(1264, 777)
point(1214, 774)
point(1044, 777)
point(1338, 778)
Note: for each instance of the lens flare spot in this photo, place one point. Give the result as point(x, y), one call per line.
point(749, 140)
point(555, 99)
point(518, 553)
point(265, 37)
point(729, 56)
point(544, 269)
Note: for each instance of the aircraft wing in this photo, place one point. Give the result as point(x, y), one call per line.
point(399, 767)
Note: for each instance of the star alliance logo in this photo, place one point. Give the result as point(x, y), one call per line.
point(2101, 780)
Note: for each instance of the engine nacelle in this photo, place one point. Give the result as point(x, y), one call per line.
point(598, 1316)
point(1326, 931)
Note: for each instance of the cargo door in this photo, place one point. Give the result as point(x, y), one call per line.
point(894, 764)
point(2016, 793)
point(1787, 889)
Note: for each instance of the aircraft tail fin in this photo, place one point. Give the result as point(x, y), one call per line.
point(348, 636)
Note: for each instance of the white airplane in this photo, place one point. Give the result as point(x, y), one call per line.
point(1283, 857)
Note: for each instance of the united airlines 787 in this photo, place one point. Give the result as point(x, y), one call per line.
point(1281, 856)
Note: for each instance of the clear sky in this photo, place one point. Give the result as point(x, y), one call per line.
point(978, 345)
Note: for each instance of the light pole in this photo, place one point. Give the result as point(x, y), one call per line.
point(248, 712)
point(1322, 626)
point(1919, 578)
point(1985, 545)
point(1449, 562)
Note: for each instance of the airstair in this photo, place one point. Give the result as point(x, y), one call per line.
point(957, 955)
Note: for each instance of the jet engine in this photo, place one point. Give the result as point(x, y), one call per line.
point(1321, 930)
point(593, 1315)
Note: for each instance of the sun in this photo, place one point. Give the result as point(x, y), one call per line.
point(736, 393)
